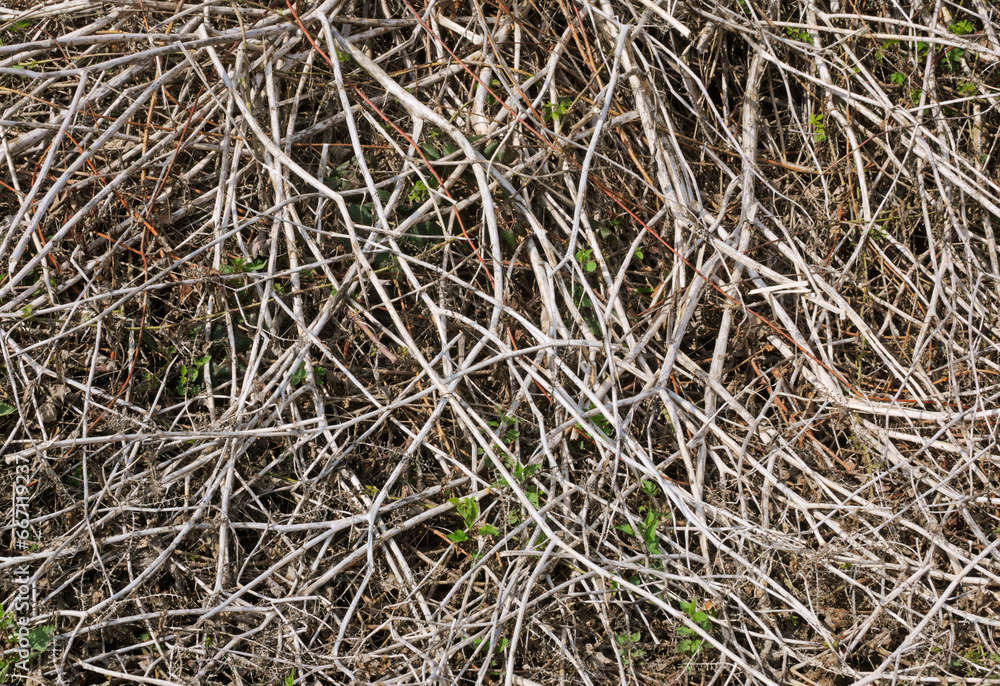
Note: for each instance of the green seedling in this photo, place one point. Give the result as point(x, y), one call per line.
point(6, 409)
point(505, 428)
point(799, 35)
point(816, 121)
point(556, 109)
point(468, 508)
point(626, 643)
point(967, 88)
point(648, 487)
point(692, 646)
point(495, 85)
point(290, 677)
point(953, 58)
point(647, 532)
point(587, 309)
point(585, 257)
point(301, 374)
point(239, 265)
point(976, 660)
point(880, 49)
point(419, 193)
point(521, 472)
point(898, 78)
point(500, 647)
point(960, 28)
point(599, 420)
point(612, 227)
point(187, 382)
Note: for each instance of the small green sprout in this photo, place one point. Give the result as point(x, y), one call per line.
point(647, 532)
point(799, 35)
point(585, 257)
point(816, 121)
point(501, 646)
point(953, 58)
point(692, 646)
point(468, 508)
point(960, 28)
point(419, 193)
point(556, 109)
point(189, 375)
point(300, 374)
point(239, 265)
point(626, 643)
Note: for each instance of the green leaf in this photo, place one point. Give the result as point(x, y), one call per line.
point(689, 647)
point(458, 536)
point(627, 530)
point(898, 78)
point(300, 374)
point(649, 529)
point(468, 508)
point(489, 530)
point(6, 409)
point(40, 637)
point(960, 28)
point(967, 88)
